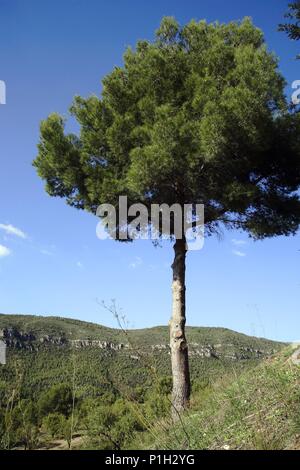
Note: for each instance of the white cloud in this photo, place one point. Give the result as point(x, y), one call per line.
point(237, 242)
point(137, 262)
point(238, 253)
point(11, 230)
point(4, 251)
point(46, 252)
point(79, 265)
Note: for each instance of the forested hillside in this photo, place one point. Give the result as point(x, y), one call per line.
point(66, 378)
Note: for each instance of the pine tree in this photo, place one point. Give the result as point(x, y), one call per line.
point(196, 116)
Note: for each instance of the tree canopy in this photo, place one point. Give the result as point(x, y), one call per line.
point(292, 28)
point(196, 116)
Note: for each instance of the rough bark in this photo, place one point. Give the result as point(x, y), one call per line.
point(178, 343)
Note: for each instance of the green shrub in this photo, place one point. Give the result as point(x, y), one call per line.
point(59, 399)
point(54, 424)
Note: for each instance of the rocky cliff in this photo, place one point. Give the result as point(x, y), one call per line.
point(35, 341)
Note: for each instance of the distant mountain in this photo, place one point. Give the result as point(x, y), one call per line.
point(46, 350)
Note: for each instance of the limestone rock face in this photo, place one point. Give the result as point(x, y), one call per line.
point(86, 343)
point(18, 339)
point(34, 341)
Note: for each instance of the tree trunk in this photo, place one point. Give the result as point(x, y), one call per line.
point(178, 344)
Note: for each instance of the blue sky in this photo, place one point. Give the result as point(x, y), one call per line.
point(53, 50)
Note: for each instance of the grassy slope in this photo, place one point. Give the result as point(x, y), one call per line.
point(258, 410)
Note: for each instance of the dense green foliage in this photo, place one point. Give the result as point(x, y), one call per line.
point(58, 399)
point(197, 116)
point(292, 28)
point(109, 421)
point(55, 394)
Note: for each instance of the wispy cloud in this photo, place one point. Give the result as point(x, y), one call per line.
point(137, 262)
point(238, 253)
point(11, 230)
point(237, 242)
point(46, 252)
point(4, 251)
point(79, 265)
